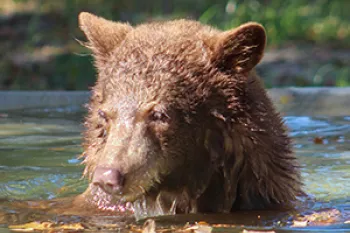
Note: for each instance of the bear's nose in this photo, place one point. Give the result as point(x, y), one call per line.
point(109, 179)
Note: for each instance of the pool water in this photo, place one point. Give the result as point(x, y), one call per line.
point(39, 149)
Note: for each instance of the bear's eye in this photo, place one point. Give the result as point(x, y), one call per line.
point(102, 114)
point(159, 116)
point(103, 133)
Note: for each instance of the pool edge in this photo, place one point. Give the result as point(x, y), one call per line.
point(292, 100)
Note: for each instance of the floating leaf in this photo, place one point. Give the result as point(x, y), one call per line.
point(319, 140)
point(40, 226)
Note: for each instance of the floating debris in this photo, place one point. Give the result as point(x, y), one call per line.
point(320, 218)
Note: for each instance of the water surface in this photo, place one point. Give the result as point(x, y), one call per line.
point(39, 149)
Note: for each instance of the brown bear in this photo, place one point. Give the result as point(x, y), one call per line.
point(178, 122)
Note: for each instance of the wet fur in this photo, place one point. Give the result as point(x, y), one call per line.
point(223, 146)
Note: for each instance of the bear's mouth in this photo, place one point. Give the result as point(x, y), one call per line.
point(136, 185)
point(132, 190)
point(102, 197)
point(109, 202)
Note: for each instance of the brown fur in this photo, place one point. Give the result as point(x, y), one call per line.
point(178, 108)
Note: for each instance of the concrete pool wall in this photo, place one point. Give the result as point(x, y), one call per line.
point(328, 101)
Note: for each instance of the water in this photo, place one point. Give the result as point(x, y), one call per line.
point(38, 150)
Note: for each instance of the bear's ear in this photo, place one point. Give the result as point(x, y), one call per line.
point(103, 35)
point(239, 49)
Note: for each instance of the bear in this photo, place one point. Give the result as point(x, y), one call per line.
point(179, 122)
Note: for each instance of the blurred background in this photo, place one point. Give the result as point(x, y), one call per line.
point(308, 40)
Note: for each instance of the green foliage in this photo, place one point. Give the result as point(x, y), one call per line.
point(321, 22)
point(75, 72)
point(343, 77)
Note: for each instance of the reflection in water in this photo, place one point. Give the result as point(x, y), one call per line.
point(38, 162)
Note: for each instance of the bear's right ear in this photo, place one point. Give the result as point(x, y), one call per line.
point(103, 35)
point(239, 49)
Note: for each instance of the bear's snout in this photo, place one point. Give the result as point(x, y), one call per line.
point(111, 180)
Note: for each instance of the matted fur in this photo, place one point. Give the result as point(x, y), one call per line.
point(179, 110)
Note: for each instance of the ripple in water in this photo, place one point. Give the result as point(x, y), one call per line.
point(39, 148)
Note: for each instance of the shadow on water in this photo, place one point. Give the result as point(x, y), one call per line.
point(38, 162)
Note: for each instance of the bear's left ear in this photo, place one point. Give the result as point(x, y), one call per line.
point(103, 35)
point(239, 49)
